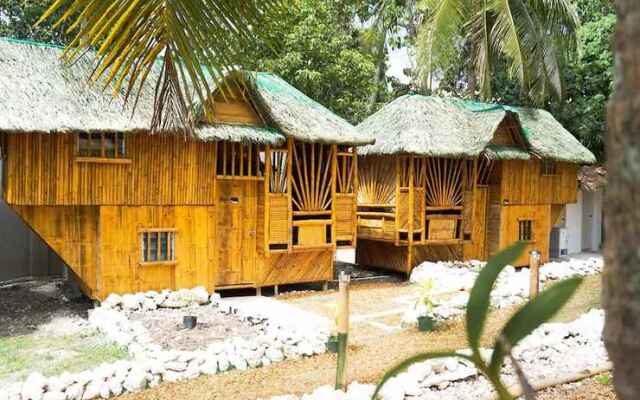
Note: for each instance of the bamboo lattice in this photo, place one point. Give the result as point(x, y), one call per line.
point(444, 182)
point(278, 176)
point(345, 171)
point(312, 178)
point(377, 180)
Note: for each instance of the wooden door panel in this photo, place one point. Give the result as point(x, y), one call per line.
point(236, 233)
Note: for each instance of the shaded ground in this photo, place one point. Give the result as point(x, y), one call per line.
point(368, 358)
point(24, 307)
point(41, 332)
point(166, 328)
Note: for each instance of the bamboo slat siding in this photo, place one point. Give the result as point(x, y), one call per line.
point(523, 183)
point(41, 170)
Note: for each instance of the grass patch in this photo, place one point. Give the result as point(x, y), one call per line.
point(53, 355)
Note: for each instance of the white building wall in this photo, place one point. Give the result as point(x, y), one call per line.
point(573, 224)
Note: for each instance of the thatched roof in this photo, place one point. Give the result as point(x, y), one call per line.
point(38, 93)
point(450, 127)
point(301, 117)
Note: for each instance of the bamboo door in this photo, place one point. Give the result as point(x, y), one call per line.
point(236, 233)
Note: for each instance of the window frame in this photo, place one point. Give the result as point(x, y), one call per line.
point(145, 248)
point(88, 154)
point(528, 231)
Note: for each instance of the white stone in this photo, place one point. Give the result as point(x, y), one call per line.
point(214, 299)
point(92, 391)
point(136, 380)
point(238, 363)
point(358, 391)
point(4, 395)
point(130, 302)
point(112, 301)
point(57, 395)
point(200, 294)
point(74, 392)
point(210, 367)
point(223, 363)
point(149, 304)
point(305, 348)
point(115, 387)
point(392, 390)
point(33, 387)
point(55, 384)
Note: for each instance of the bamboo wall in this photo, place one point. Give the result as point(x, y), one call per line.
point(432, 196)
point(41, 169)
point(92, 213)
point(523, 183)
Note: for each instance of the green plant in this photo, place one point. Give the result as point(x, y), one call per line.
point(534, 313)
point(604, 379)
point(425, 294)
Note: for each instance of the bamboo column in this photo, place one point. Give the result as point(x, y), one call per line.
point(343, 329)
point(534, 274)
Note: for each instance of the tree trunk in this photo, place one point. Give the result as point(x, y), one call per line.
point(621, 278)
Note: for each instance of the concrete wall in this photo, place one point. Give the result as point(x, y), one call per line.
point(573, 224)
point(592, 221)
point(584, 222)
point(22, 253)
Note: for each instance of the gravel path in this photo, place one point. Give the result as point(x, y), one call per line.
point(368, 359)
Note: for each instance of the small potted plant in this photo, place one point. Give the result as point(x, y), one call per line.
point(424, 306)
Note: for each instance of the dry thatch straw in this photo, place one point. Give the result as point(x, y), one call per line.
point(450, 127)
point(38, 93)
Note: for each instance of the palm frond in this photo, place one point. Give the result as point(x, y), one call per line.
point(193, 42)
point(439, 30)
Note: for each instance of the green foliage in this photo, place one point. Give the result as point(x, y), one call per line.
point(605, 379)
point(533, 314)
point(18, 18)
point(322, 54)
point(587, 75)
point(531, 36)
point(589, 84)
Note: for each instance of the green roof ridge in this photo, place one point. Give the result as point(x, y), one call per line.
point(32, 42)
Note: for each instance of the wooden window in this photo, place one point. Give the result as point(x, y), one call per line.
point(345, 169)
point(548, 167)
point(525, 230)
point(278, 162)
point(101, 145)
point(158, 246)
point(237, 160)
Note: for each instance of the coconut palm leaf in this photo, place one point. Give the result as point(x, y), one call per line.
point(189, 44)
point(533, 35)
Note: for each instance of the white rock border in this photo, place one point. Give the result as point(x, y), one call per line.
point(512, 287)
point(552, 349)
point(150, 365)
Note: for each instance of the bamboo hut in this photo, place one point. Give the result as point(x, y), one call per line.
point(453, 179)
point(262, 195)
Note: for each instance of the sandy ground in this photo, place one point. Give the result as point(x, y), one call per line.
point(372, 352)
point(589, 389)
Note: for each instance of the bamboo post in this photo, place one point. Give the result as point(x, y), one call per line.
point(343, 329)
point(534, 273)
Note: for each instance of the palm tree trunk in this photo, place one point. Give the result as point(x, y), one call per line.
point(621, 278)
point(379, 76)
